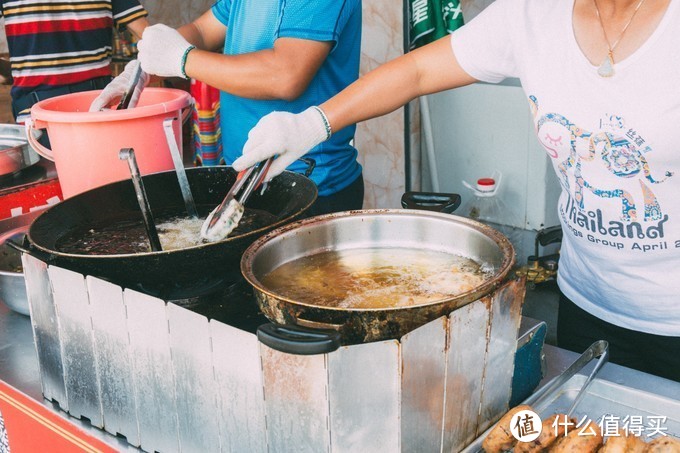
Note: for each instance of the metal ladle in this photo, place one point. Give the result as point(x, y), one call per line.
point(129, 155)
point(179, 168)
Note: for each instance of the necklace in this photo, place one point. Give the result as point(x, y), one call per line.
point(606, 68)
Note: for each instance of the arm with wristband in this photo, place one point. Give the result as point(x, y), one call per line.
point(379, 92)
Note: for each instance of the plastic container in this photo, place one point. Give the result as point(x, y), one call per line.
point(485, 206)
point(206, 125)
point(85, 144)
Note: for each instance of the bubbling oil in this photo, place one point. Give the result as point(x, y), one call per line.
point(129, 236)
point(376, 277)
point(180, 232)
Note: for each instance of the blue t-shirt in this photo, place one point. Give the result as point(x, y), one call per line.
point(254, 25)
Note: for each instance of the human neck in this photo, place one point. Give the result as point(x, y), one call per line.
point(615, 15)
point(616, 9)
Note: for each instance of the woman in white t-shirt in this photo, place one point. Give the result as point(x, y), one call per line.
point(602, 81)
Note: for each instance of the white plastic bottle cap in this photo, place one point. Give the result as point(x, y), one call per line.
point(486, 184)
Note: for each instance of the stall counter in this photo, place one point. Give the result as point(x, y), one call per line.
point(32, 421)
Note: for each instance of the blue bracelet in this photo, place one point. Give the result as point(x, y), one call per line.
point(184, 61)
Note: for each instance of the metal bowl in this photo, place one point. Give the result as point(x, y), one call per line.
point(12, 283)
point(15, 152)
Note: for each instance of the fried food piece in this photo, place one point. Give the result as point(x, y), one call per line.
point(500, 438)
point(549, 435)
point(636, 444)
point(226, 222)
point(623, 443)
point(665, 444)
point(584, 439)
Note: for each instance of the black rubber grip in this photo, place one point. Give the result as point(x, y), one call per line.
point(298, 340)
point(431, 201)
point(549, 235)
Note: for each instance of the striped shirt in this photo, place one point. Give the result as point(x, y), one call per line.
point(60, 42)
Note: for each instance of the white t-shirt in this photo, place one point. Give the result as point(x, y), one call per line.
point(615, 146)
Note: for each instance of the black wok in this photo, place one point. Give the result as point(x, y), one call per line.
point(288, 196)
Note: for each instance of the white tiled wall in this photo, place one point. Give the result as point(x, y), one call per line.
point(381, 141)
point(175, 12)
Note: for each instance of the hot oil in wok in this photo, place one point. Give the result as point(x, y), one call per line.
point(129, 236)
point(376, 278)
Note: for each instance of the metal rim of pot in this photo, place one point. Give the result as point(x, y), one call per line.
point(298, 327)
point(198, 246)
point(502, 272)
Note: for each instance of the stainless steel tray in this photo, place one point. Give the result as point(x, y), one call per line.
point(15, 152)
point(604, 398)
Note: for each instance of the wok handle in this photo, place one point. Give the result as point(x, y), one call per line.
point(298, 340)
point(431, 201)
point(311, 164)
point(37, 254)
point(549, 235)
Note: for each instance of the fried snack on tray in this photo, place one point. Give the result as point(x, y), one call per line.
point(623, 443)
point(583, 439)
point(500, 438)
point(664, 444)
point(549, 434)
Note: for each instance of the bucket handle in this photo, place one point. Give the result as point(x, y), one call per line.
point(188, 110)
point(40, 149)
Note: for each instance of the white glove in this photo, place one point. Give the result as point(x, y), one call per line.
point(162, 51)
point(115, 90)
point(287, 134)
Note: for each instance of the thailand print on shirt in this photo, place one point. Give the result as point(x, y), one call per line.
point(621, 151)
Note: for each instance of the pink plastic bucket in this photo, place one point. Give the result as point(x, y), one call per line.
point(85, 144)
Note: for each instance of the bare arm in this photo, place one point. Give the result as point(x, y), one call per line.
point(5, 72)
point(137, 26)
point(283, 72)
point(206, 32)
point(429, 69)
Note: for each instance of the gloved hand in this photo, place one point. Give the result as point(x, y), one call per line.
point(287, 134)
point(115, 90)
point(162, 51)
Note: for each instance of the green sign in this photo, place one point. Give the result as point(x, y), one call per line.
point(433, 19)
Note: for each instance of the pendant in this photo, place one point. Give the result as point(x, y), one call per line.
point(606, 69)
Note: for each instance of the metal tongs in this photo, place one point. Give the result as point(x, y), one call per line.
point(127, 95)
point(225, 217)
point(598, 349)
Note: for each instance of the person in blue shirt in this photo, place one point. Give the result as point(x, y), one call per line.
point(267, 56)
